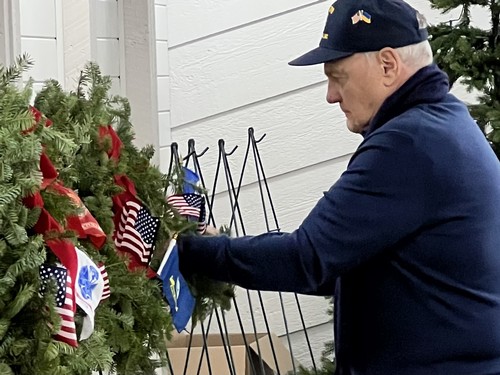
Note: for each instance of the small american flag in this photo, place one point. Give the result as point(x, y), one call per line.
point(190, 205)
point(136, 231)
point(105, 292)
point(64, 301)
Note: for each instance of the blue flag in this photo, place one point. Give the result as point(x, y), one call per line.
point(191, 181)
point(175, 288)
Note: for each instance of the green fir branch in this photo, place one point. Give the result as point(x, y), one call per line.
point(9, 75)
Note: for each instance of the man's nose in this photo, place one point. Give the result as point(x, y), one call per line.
point(332, 94)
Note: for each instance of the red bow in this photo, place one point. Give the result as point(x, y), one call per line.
point(116, 144)
point(38, 116)
point(84, 224)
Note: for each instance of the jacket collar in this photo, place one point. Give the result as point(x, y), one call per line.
point(428, 85)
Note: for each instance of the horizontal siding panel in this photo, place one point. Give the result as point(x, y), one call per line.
point(301, 129)
point(38, 18)
point(189, 20)
point(43, 52)
point(106, 19)
point(247, 65)
point(244, 66)
point(293, 194)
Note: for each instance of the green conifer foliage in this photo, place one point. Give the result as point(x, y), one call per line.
point(132, 326)
point(472, 54)
point(26, 344)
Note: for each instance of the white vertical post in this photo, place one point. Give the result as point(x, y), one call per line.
point(76, 35)
point(9, 31)
point(140, 70)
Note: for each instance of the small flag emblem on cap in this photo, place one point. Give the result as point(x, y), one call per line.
point(422, 22)
point(361, 15)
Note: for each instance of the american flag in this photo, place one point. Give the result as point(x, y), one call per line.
point(64, 301)
point(136, 231)
point(190, 205)
point(105, 292)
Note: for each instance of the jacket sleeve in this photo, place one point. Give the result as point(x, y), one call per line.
point(379, 201)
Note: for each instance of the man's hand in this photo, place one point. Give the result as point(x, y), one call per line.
point(211, 231)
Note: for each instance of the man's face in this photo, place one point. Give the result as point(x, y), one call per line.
point(355, 83)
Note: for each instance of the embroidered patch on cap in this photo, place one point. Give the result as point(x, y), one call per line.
point(422, 22)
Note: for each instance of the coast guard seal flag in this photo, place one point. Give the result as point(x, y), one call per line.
point(89, 290)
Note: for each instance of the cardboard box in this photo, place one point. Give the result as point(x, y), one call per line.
point(246, 360)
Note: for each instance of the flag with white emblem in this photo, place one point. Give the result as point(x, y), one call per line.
point(89, 289)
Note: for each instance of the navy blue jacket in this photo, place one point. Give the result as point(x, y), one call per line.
point(407, 241)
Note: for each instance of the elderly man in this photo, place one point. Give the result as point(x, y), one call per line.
point(408, 239)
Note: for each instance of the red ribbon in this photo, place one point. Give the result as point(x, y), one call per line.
point(116, 144)
point(46, 223)
point(49, 172)
point(84, 224)
point(119, 200)
point(38, 116)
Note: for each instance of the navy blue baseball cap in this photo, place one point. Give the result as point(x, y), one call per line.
point(354, 26)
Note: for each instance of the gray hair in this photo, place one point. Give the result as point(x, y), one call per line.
point(414, 55)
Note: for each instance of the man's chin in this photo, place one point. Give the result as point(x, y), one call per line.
point(356, 128)
point(353, 128)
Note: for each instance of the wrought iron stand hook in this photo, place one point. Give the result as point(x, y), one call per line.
point(174, 156)
point(192, 151)
point(251, 134)
point(222, 145)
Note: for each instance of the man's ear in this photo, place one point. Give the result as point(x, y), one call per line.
point(390, 64)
